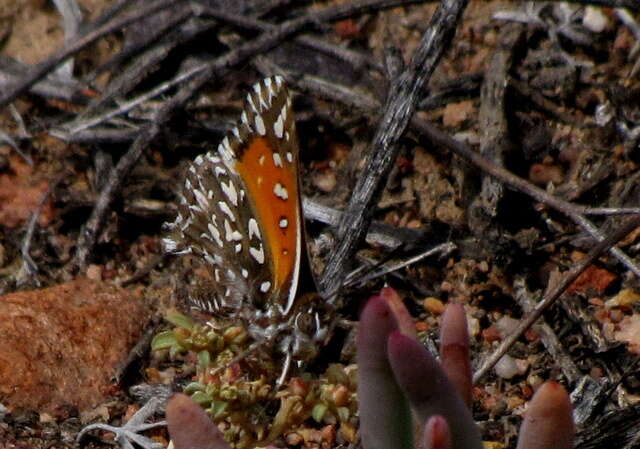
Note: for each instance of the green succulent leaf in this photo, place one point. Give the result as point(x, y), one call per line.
point(202, 398)
point(163, 340)
point(218, 408)
point(180, 320)
point(193, 387)
point(343, 414)
point(204, 360)
point(318, 412)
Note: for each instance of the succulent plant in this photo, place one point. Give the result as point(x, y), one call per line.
point(398, 378)
point(235, 387)
point(399, 384)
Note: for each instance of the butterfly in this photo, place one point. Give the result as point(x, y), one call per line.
point(240, 213)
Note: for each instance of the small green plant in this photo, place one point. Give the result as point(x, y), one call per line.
point(399, 384)
point(235, 386)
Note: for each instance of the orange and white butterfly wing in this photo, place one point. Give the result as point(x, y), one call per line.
point(240, 209)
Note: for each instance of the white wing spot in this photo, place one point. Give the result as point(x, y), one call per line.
point(286, 135)
point(215, 234)
point(244, 119)
point(231, 192)
point(280, 191)
point(258, 88)
point(219, 171)
point(170, 245)
point(261, 160)
point(283, 223)
point(238, 247)
point(231, 275)
point(245, 273)
point(278, 127)
point(216, 275)
point(273, 90)
point(236, 132)
point(277, 160)
point(224, 207)
point(257, 254)
point(289, 156)
point(254, 230)
point(201, 199)
point(228, 231)
point(260, 125)
point(250, 100)
point(224, 149)
point(199, 160)
point(265, 286)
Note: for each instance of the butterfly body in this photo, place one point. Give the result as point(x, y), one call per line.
point(240, 213)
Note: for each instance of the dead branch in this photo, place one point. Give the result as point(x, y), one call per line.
point(401, 102)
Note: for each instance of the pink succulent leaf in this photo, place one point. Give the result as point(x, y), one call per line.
point(548, 421)
point(454, 350)
point(385, 418)
point(429, 390)
point(437, 434)
point(190, 427)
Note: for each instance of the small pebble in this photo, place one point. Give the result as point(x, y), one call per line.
point(94, 272)
point(594, 19)
point(626, 298)
point(506, 368)
point(433, 305)
point(506, 325)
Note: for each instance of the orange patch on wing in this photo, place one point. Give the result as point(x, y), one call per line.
point(257, 169)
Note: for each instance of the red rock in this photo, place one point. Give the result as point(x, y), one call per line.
point(20, 195)
point(491, 334)
point(593, 279)
point(62, 345)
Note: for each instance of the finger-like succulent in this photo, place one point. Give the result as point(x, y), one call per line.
point(399, 379)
